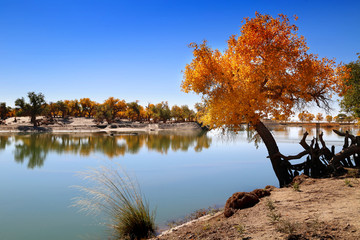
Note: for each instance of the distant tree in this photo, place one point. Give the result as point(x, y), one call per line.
point(329, 118)
point(187, 113)
point(162, 112)
point(33, 108)
point(281, 118)
point(63, 108)
point(111, 109)
point(133, 111)
point(302, 116)
point(87, 107)
point(309, 117)
point(149, 114)
point(176, 113)
point(341, 117)
point(51, 110)
point(351, 95)
point(74, 108)
point(349, 119)
point(4, 111)
point(319, 117)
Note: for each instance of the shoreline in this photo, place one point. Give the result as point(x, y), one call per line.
point(87, 125)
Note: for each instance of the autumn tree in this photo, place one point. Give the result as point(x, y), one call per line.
point(176, 113)
point(149, 113)
point(63, 109)
point(74, 108)
point(111, 109)
point(302, 116)
point(133, 110)
point(319, 117)
point(265, 71)
point(200, 112)
point(87, 107)
point(51, 110)
point(309, 117)
point(281, 118)
point(329, 118)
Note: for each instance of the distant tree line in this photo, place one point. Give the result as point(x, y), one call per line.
point(111, 110)
point(306, 116)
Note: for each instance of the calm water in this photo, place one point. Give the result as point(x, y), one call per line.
point(177, 173)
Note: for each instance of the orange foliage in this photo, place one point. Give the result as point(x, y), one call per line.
point(264, 72)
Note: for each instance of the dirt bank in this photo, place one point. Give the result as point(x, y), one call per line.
point(89, 125)
point(320, 209)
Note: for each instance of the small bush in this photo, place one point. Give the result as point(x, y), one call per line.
point(240, 229)
point(270, 204)
point(348, 183)
point(115, 194)
point(274, 216)
point(285, 226)
point(296, 187)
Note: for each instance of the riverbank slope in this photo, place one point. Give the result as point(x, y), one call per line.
point(319, 209)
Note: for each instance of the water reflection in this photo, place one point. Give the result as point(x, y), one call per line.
point(35, 147)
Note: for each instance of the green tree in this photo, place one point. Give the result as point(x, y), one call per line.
point(34, 108)
point(162, 112)
point(341, 117)
point(187, 113)
point(351, 97)
point(4, 111)
point(176, 113)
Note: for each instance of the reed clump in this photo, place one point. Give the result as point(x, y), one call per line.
point(114, 193)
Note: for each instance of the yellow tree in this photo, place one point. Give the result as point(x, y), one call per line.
point(319, 117)
point(309, 117)
point(329, 118)
point(265, 71)
point(87, 107)
point(176, 113)
point(149, 113)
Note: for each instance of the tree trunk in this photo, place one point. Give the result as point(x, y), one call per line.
point(33, 120)
point(280, 166)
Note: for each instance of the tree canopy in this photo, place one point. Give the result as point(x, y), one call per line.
point(265, 71)
point(351, 97)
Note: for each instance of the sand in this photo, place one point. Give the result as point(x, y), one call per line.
point(321, 209)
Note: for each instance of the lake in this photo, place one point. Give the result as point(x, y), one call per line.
point(178, 174)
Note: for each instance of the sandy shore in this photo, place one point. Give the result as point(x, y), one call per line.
point(88, 125)
point(321, 209)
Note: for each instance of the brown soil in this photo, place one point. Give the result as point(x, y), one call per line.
point(320, 209)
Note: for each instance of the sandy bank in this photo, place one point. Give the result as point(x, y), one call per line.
point(88, 125)
point(322, 209)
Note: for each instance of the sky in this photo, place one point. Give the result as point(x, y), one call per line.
point(136, 50)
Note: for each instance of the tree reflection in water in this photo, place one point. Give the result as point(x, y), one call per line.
point(35, 147)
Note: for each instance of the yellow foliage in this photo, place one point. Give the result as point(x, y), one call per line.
point(264, 72)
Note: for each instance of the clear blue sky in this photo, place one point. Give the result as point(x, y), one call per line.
point(135, 50)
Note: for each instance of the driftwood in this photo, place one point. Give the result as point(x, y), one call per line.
point(321, 161)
